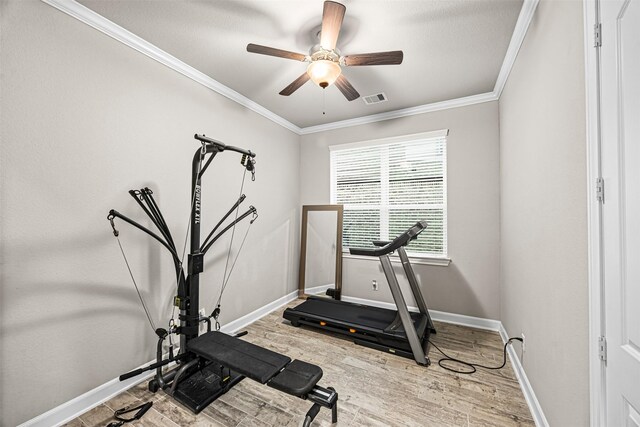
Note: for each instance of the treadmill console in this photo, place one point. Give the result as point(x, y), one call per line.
point(384, 248)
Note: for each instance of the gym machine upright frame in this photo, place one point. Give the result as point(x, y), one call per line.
point(200, 376)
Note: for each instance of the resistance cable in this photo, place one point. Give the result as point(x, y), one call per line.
point(225, 276)
point(116, 233)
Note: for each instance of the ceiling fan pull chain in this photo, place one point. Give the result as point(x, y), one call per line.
point(323, 102)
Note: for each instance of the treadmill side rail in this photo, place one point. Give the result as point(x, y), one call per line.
point(403, 311)
point(415, 286)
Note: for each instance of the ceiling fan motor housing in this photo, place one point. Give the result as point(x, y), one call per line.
point(318, 52)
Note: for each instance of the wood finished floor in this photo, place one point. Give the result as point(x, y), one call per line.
point(375, 388)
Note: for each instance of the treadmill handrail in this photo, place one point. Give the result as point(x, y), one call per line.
point(401, 240)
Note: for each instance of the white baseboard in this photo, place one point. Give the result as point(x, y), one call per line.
point(470, 321)
point(374, 303)
point(317, 290)
point(525, 385)
point(89, 400)
point(440, 316)
point(258, 314)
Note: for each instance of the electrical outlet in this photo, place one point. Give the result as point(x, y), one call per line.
point(523, 343)
point(374, 285)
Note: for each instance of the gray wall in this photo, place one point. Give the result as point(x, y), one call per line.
point(84, 119)
point(544, 290)
point(469, 285)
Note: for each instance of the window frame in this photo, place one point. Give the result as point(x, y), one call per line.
point(420, 258)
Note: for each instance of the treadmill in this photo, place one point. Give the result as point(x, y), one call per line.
point(398, 331)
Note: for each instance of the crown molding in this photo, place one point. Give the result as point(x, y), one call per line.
point(420, 109)
point(102, 24)
point(519, 33)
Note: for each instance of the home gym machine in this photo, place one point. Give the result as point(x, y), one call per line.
point(208, 365)
point(396, 331)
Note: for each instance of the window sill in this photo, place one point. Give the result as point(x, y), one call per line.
point(418, 260)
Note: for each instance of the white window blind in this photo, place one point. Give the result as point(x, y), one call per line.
point(386, 186)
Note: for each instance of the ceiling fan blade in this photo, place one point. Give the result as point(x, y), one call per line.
point(345, 87)
point(378, 58)
point(332, 17)
point(272, 51)
point(295, 85)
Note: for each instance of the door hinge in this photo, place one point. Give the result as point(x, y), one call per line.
point(600, 189)
point(602, 348)
point(597, 35)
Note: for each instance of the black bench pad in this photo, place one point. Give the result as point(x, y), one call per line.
point(297, 379)
point(247, 359)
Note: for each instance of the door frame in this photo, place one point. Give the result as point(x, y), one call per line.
point(597, 372)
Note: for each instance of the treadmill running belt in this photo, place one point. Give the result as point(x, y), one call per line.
point(353, 314)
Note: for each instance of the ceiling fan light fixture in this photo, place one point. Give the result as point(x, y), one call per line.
point(324, 72)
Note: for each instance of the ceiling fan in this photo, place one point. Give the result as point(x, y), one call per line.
point(325, 60)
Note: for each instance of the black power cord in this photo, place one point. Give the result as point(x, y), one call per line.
point(472, 366)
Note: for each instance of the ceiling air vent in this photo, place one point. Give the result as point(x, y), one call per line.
point(375, 99)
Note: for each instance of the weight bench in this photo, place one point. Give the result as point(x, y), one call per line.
point(243, 359)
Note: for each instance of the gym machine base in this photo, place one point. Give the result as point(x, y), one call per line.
point(210, 364)
point(398, 332)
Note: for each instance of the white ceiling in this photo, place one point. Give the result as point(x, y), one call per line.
point(452, 48)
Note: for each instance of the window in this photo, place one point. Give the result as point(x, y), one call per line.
point(388, 185)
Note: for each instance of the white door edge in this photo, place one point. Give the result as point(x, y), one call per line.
point(597, 392)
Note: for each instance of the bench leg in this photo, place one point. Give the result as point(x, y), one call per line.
point(311, 415)
point(321, 397)
point(334, 409)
